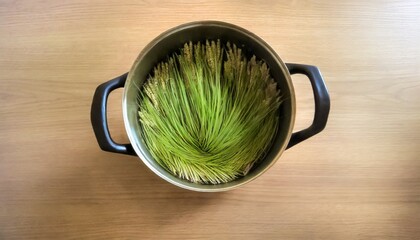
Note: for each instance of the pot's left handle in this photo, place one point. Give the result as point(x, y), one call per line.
point(99, 119)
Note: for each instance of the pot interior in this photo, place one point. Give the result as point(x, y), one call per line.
point(170, 42)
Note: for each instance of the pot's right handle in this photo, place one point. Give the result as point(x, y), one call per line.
point(322, 102)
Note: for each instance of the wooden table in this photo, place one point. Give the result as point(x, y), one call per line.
point(358, 179)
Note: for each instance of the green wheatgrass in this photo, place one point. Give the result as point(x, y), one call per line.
point(208, 113)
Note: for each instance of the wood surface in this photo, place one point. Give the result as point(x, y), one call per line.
point(358, 179)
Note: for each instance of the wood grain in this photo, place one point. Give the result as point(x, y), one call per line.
point(358, 179)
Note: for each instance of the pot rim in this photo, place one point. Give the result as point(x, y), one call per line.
point(172, 179)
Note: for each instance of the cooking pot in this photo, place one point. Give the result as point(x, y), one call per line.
point(171, 41)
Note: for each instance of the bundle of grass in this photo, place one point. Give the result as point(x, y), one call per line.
point(208, 113)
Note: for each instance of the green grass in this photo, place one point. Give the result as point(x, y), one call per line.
point(208, 114)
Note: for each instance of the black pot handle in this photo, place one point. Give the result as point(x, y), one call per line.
point(322, 102)
point(99, 119)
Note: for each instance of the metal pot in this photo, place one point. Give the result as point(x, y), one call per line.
point(172, 40)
